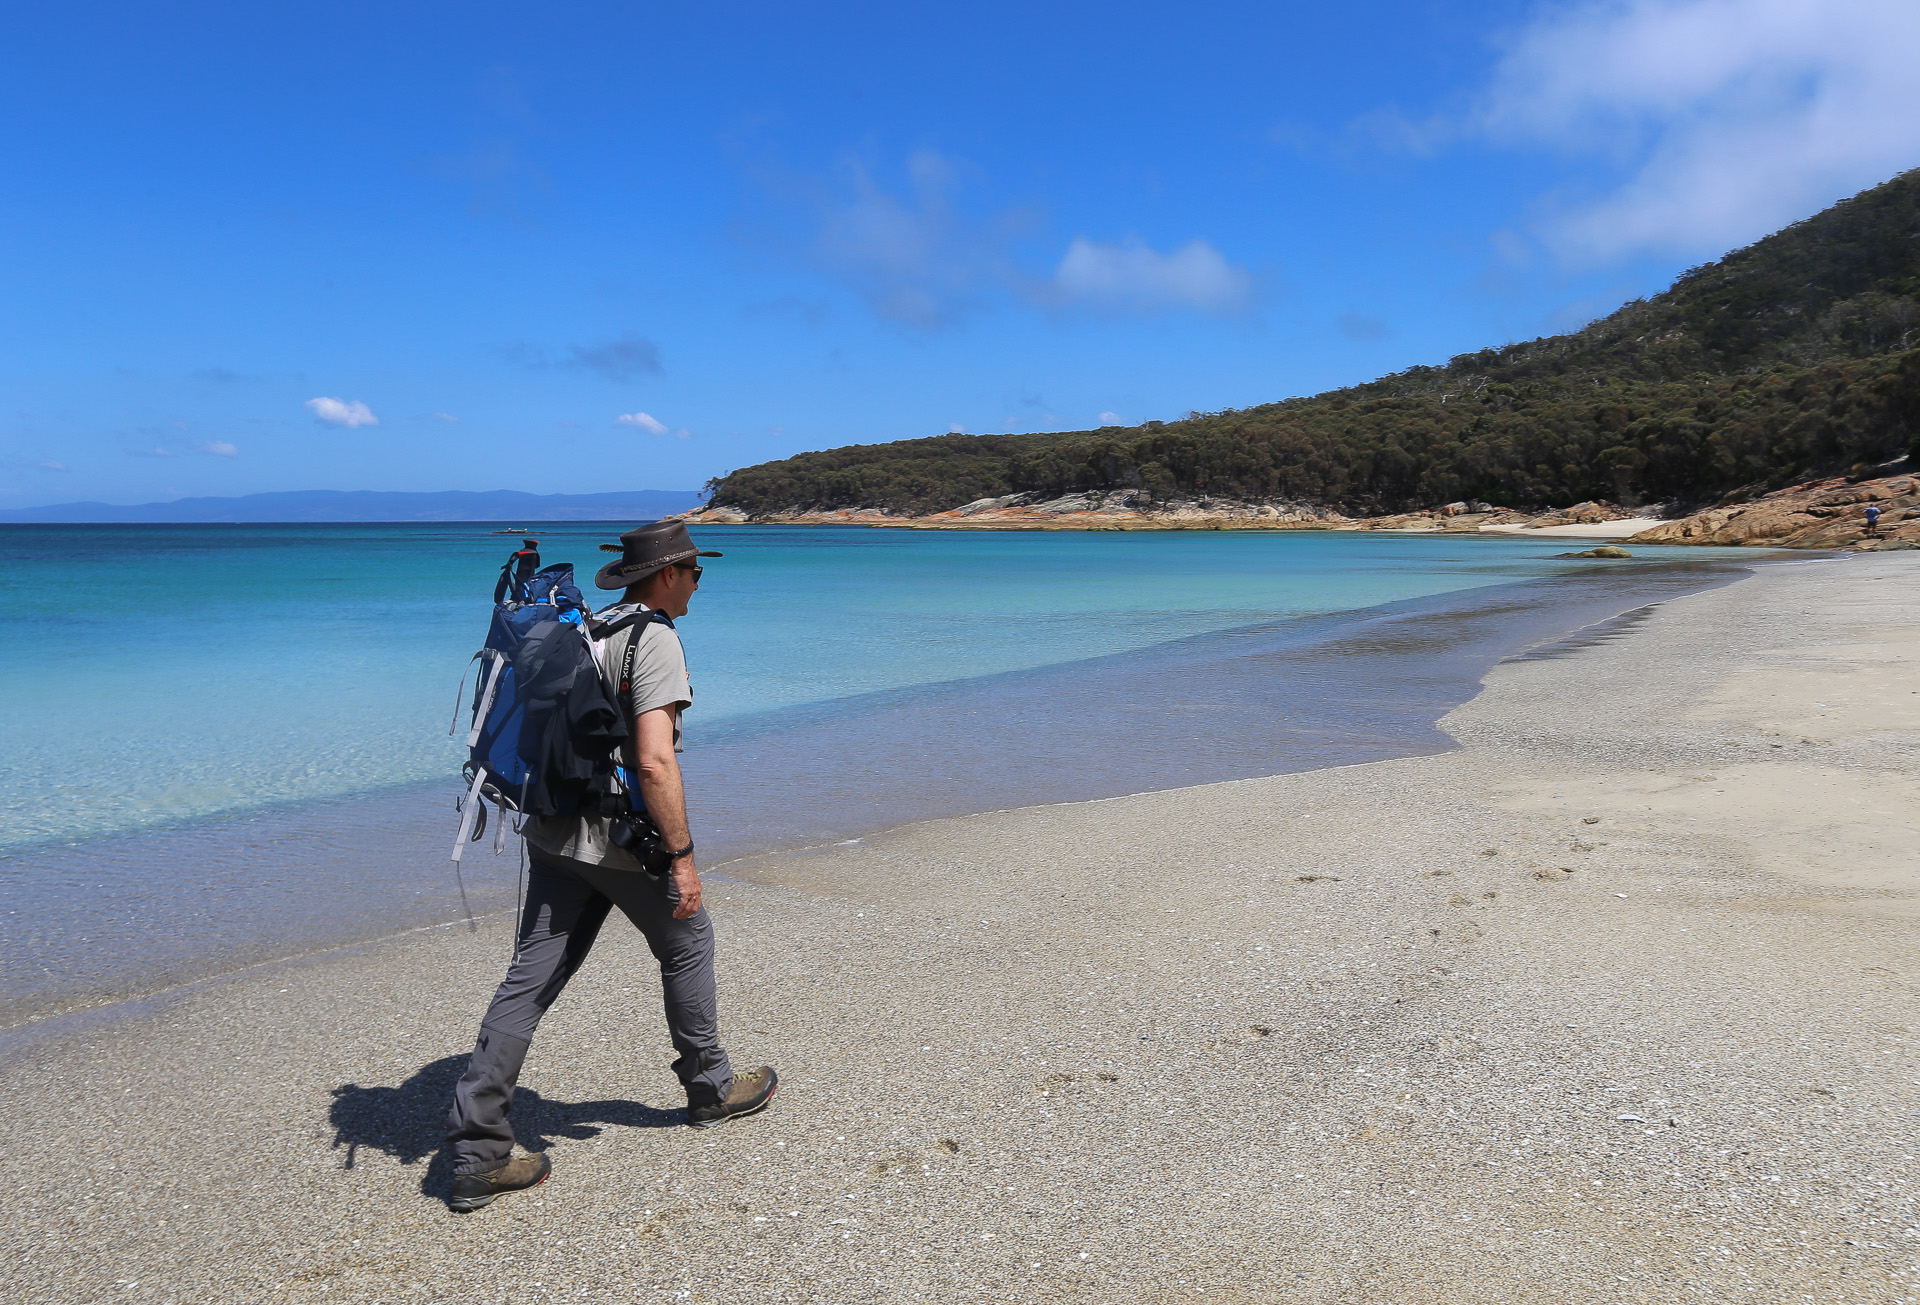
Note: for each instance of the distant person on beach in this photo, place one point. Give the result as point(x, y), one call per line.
point(581, 866)
point(1873, 519)
point(521, 566)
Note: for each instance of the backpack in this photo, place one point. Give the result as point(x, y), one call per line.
point(546, 728)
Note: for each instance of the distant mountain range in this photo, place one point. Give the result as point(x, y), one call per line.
point(504, 505)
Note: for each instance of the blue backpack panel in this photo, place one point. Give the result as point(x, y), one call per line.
point(547, 728)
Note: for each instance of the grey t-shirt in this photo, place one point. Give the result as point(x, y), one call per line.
point(659, 679)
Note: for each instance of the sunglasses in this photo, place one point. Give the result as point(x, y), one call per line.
point(697, 570)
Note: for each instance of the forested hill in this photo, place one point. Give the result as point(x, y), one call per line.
point(1786, 359)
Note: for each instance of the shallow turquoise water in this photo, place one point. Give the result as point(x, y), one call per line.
point(162, 674)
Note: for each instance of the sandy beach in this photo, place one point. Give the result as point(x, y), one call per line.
point(1614, 1003)
point(1622, 529)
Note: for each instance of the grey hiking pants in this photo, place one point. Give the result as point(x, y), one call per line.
point(567, 902)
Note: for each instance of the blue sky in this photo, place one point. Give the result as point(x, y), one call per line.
point(582, 247)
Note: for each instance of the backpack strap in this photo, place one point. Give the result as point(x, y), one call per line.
point(461, 692)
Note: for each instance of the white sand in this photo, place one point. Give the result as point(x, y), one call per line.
point(1617, 1003)
point(1603, 530)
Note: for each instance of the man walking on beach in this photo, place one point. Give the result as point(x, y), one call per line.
point(580, 870)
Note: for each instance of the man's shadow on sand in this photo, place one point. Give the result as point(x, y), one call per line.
point(409, 1122)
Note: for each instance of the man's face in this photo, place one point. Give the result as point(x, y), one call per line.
point(677, 585)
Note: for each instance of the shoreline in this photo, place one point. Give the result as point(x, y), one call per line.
point(1611, 1002)
point(1301, 694)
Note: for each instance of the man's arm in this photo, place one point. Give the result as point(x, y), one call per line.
point(666, 800)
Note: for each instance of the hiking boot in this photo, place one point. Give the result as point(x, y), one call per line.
point(471, 1191)
point(750, 1092)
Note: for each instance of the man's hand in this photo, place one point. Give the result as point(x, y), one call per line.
point(686, 882)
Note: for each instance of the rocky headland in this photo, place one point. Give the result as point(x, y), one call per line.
point(1783, 364)
point(1135, 510)
point(1823, 514)
point(1830, 513)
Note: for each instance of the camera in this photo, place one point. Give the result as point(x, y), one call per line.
point(635, 833)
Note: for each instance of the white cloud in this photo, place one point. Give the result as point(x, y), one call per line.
point(1111, 419)
point(645, 421)
point(1731, 117)
point(442, 416)
point(921, 257)
point(219, 449)
point(957, 428)
point(1134, 276)
point(338, 412)
point(651, 425)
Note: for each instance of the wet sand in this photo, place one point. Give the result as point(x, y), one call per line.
point(1616, 1002)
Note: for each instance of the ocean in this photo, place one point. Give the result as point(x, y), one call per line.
point(227, 743)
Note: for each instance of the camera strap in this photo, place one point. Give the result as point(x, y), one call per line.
point(645, 833)
point(625, 700)
point(625, 696)
point(626, 674)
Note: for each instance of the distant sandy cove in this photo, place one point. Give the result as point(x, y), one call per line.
point(1615, 1003)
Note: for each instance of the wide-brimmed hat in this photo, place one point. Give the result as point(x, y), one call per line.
point(644, 550)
